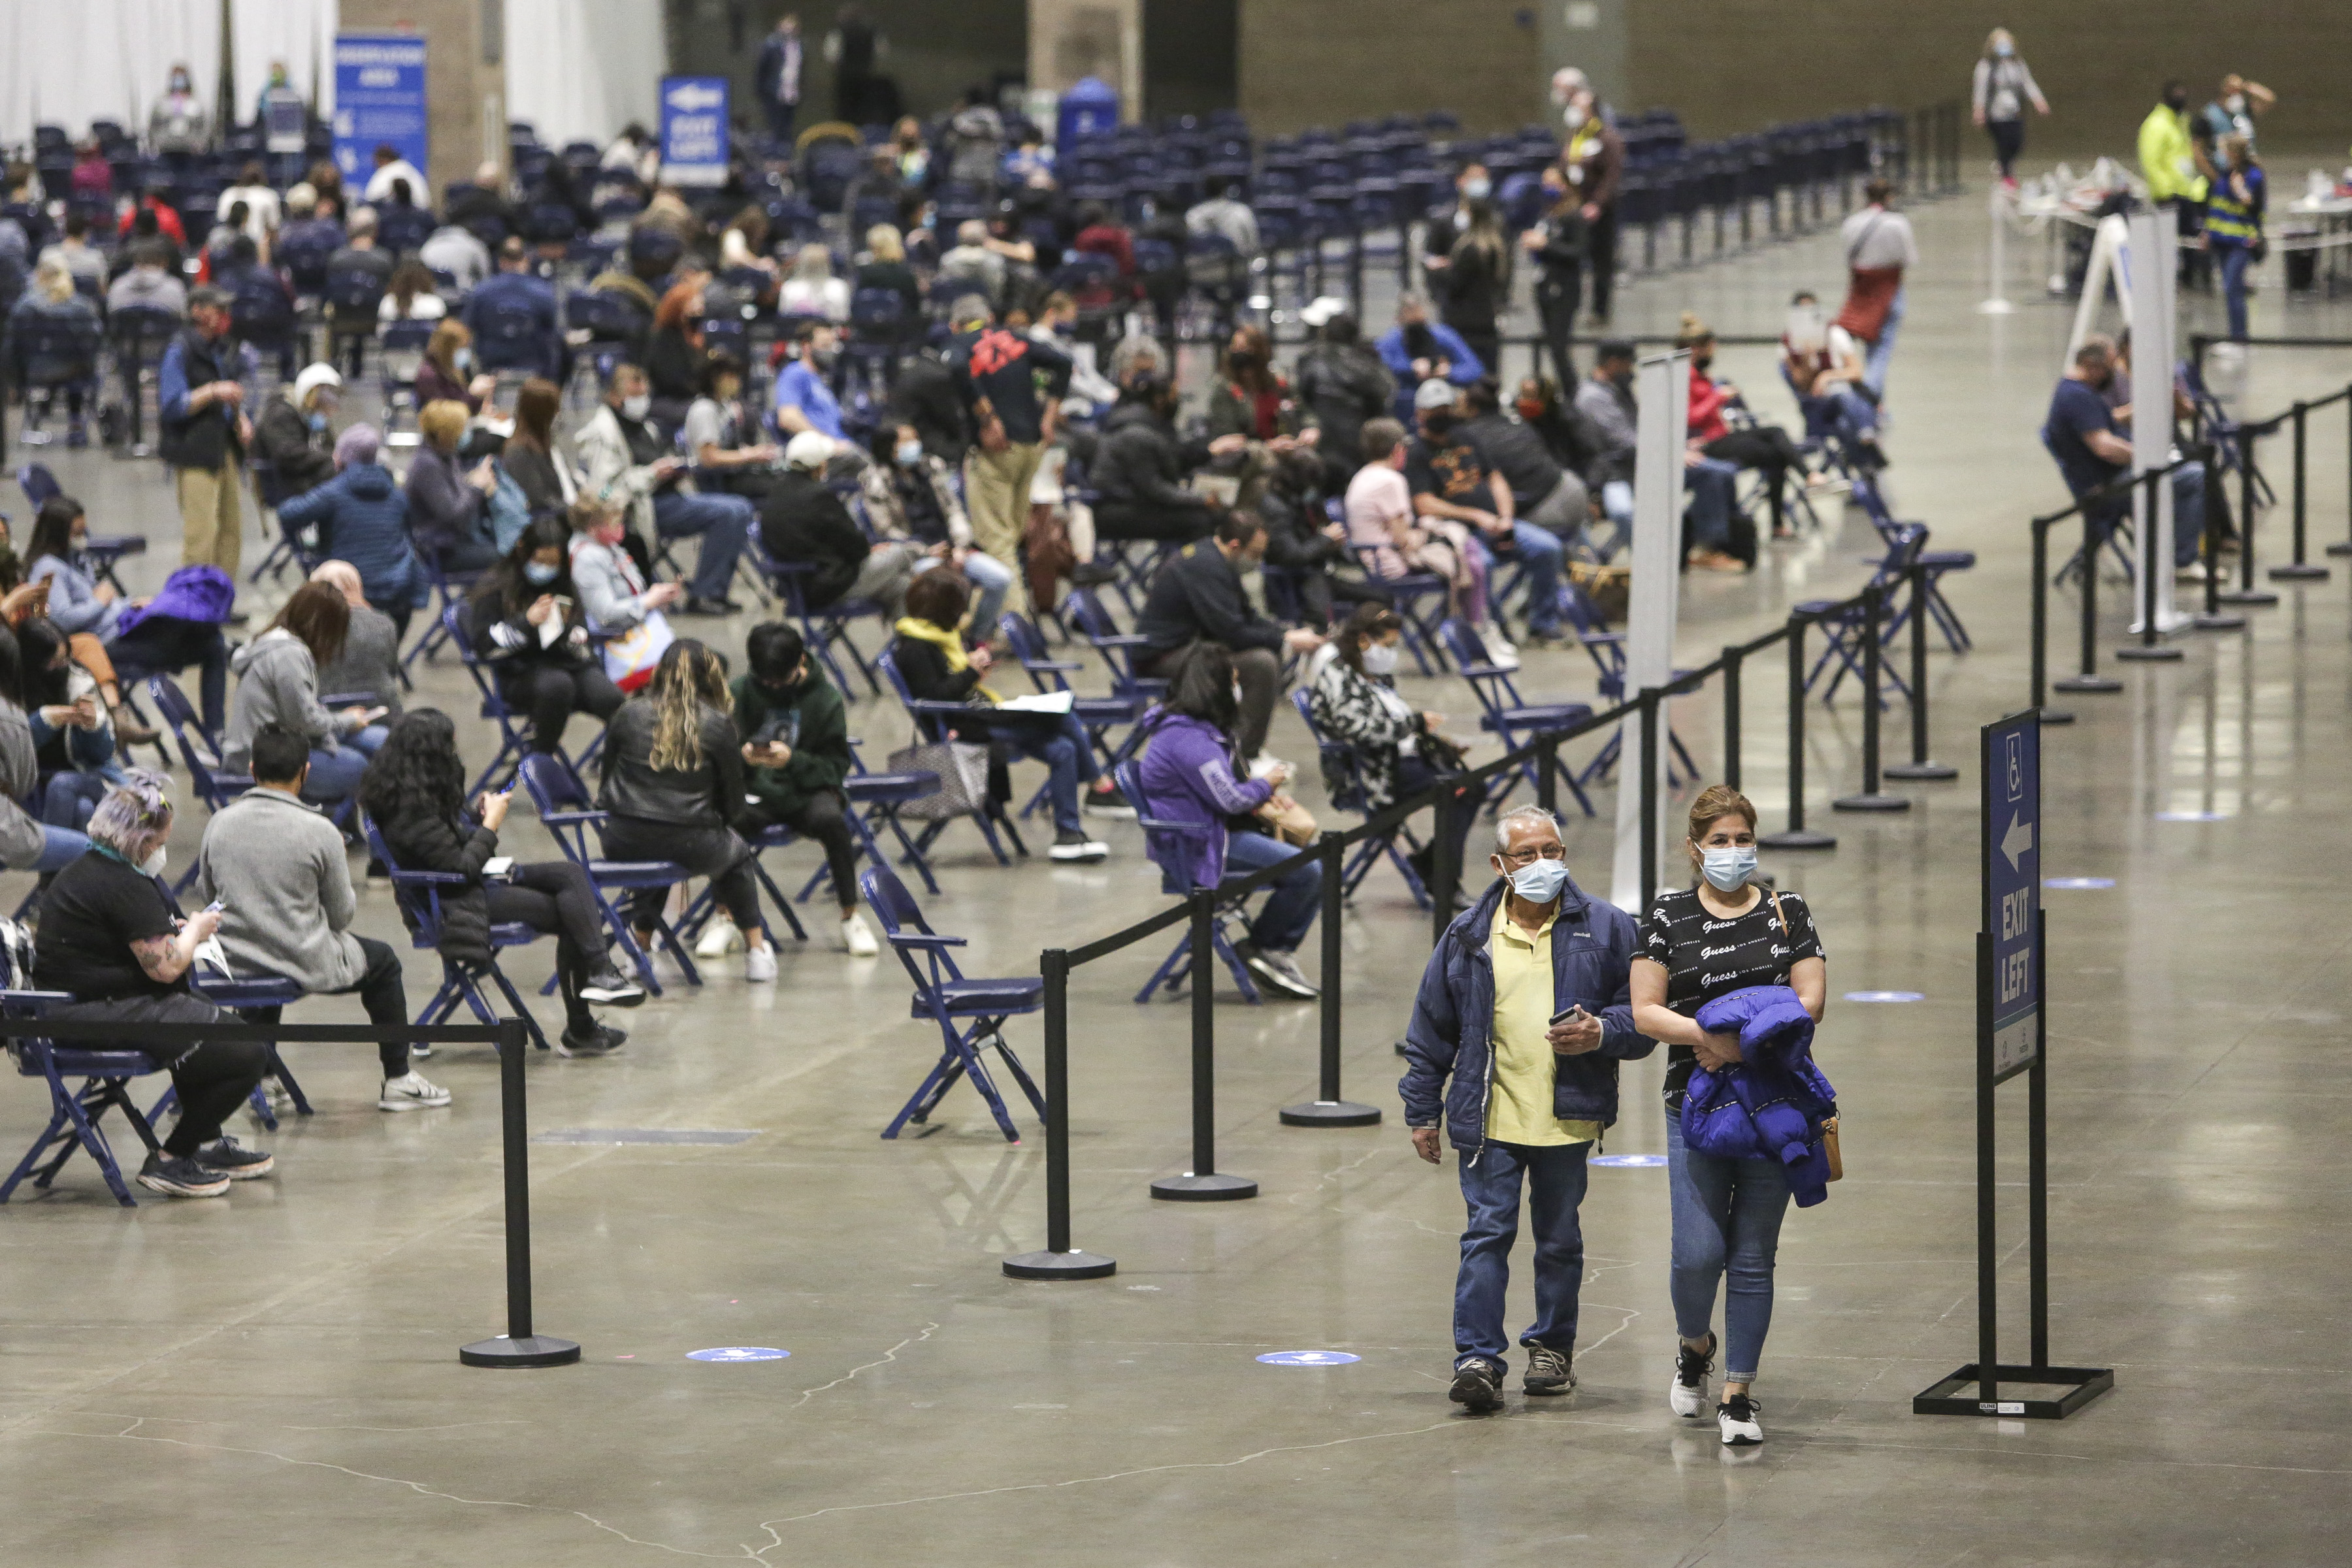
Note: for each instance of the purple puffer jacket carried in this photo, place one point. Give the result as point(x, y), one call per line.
point(1768, 1105)
point(203, 593)
point(1189, 774)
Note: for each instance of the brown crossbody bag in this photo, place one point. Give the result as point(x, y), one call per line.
point(1830, 1123)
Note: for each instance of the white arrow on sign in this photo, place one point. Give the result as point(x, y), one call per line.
point(2018, 840)
point(691, 96)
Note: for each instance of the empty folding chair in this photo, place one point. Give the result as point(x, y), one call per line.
point(561, 802)
point(1507, 715)
point(969, 1013)
point(1844, 623)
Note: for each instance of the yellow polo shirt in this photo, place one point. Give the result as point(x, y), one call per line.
point(1518, 1107)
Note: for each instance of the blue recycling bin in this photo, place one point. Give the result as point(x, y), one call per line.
point(1089, 109)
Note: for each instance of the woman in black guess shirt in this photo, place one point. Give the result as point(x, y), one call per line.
point(1707, 942)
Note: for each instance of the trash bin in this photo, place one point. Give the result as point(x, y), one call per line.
point(1089, 109)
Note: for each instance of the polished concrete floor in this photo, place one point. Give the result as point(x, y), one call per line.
point(272, 1378)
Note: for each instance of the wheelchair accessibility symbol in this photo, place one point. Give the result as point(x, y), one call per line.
point(738, 1352)
point(1309, 1358)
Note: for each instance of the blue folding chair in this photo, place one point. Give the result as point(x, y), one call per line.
point(1344, 781)
point(1507, 715)
point(1120, 651)
point(821, 629)
point(561, 802)
point(237, 996)
point(1420, 600)
point(932, 727)
point(946, 996)
point(1171, 846)
point(75, 1114)
point(514, 729)
point(1846, 623)
point(419, 893)
point(875, 800)
point(706, 902)
point(445, 623)
point(1607, 650)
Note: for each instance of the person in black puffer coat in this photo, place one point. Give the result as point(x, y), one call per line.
point(547, 676)
point(414, 791)
point(1138, 469)
point(1302, 540)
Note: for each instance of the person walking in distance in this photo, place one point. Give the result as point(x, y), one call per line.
point(1879, 248)
point(1725, 935)
point(2003, 86)
point(1523, 1014)
point(778, 78)
point(206, 432)
point(1594, 162)
point(996, 373)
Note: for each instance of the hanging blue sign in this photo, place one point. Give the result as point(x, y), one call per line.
point(738, 1352)
point(2013, 883)
point(694, 129)
point(1309, 1358)
point(379, 101)
point(1634, 1162)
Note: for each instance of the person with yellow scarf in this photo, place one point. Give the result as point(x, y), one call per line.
point(929, 651)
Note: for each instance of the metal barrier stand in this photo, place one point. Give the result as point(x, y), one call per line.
point(1921, 766)
point(1872, 798)
point(2150, 649)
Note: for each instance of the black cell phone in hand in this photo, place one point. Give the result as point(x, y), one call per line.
point(1569, 1014)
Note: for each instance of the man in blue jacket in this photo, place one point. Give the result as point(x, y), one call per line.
point(1525, 1005)
point(1417, 349)
point(512, 316)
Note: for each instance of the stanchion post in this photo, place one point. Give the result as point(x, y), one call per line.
point(1444, 866)
point(2245, 593)
point(1733, 659)
point(1202, 1183)
point(1060, 1260)
point(518, 1346)
point(2089, 679)
point(1920, 766)
point(1547, 777)
point(1650, 824)
point(2150, 649)
point(2300, 570)
point(1796, 836)
point(2212, 617)
point(2041, 649)
point(1872, 798)
point(1327, 1109)
point(2343, 546)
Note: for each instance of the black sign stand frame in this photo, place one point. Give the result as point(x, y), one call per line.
point(1972, 1390)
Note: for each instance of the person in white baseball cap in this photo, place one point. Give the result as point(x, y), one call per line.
point(803, 520)
point(294, 443)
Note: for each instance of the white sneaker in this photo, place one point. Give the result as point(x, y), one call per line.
point(1686, 1394)
point(720, 938)
point(411, 1091)
point(2193, 572)
point(1499, 652)
point(857, 937)
point(1737, 1417)
point(759, 964)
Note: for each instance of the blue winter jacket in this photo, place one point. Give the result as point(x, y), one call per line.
point(363, 518)
point(1770, 1104)
point(1463, 367)
point(1592, 949)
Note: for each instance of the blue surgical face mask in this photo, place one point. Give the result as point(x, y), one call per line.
point(1540, 882)
point(463, 359)
point(1477, 190)
point(1728, 866)
point(540, 572)
point(2005, 49)
point(318, 422)
point(909, 453)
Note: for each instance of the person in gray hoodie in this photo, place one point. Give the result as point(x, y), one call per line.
point(277, 682)
point(278, 869)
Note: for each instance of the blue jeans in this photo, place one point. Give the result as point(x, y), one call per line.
point(1068, 756)
point(1296, 896)
point(990, 580)
point(1875, 363)
point(1713, 484)
point(1540, 552)
point(60, 848)
point(2187, 513)
point(723, 520)
point(1490, 1186)
point(335, 774)
point(1727, 1215)
point(2235, 260)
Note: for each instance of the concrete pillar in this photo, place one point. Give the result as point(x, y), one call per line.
point(465, 77)
point(1596, 36)
point(1100, 38)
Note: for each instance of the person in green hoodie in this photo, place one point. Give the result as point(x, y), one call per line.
point(795, 754)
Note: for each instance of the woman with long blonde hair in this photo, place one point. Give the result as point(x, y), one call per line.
point(2003, 86)
point(672, 789)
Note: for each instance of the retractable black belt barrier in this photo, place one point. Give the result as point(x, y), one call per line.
point(518, 1346)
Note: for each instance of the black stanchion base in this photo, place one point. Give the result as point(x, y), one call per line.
point(2341, 547)
point(1957, 1395)
point(2087, 683)
point(1070, 1264)
point(2055, 716)
point(2203, 621)
point(1796, 838)
point(1330, 1113)
point(2147, 653)
point(2298, 572)
point(1216, 1188)
point(2245, 597)
point(1870, 802)
point(1920, 770)
point(537, 1349)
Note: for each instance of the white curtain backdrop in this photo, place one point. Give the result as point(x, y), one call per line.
point(580, 70)
point(98, 59)
point(300, 32)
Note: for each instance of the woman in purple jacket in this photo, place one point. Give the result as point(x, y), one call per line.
point(1191, 773)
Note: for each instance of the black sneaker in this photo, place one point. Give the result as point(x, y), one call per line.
point(180, 1178)
point(1477, 1386)
point(1104, 799)
point(599, 1041)
point(226, 1157)
point(1093, 574)
point(696, 605)
point(1076, 846)
point(1547, 1371)
point(610, 986)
